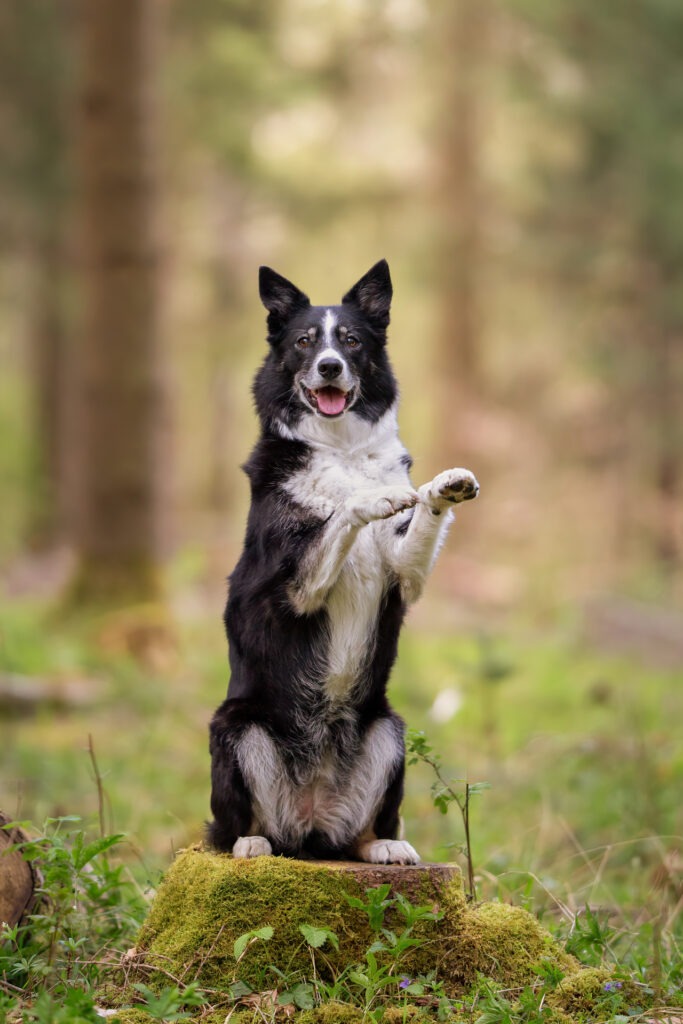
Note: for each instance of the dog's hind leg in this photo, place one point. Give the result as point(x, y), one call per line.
point(369, 800)
point(231, 801)
point(387, 849)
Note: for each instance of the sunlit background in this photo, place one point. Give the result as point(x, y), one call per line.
point(520, 166)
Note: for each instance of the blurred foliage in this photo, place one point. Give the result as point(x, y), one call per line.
point(581, 750)
point(608, 82)
point(36, 83)
point(313, 135)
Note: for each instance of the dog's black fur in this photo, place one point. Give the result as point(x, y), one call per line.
point(307, 755)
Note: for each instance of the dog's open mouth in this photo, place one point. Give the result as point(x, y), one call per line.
point(329, 401)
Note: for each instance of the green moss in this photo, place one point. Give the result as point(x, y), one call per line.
point(207, 901)
point(327, 1013)
point(501, 942)
point(331, 1013)
point(592, 992)
point(132, 1016)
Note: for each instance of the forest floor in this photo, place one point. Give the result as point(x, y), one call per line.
point(107, 715)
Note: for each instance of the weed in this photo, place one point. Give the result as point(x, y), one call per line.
point(74, 1006)
point(86, 910)
point(172, 1003)
point(444, 795)
point(371, 984)
point(589, 938)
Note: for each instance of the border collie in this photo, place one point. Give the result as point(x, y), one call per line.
point(307, 754)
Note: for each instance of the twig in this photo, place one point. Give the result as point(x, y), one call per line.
point(208, 953)
point(466, 820)
point(98, 783)
point(8, 987)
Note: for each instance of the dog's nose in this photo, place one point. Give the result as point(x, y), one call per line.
point(329, 368)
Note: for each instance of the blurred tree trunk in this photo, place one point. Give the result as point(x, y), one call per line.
point(462, 35)
point(125, 424)
point(227, 273)
point(36, 84)
point(49, 372)
point(660, 401)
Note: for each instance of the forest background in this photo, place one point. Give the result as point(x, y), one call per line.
point(520, 165)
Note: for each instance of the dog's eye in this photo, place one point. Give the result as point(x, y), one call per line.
point(304, 341)
point(352, 341)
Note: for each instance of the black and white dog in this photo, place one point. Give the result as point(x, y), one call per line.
point(307, 754)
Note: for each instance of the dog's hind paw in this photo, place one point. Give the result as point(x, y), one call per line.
point(449, 488)
point(252, 846)
point(388, 851)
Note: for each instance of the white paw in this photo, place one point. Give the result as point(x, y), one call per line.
point(449, 488)
point(381, 504)
point(252, 846)
point(388, 851)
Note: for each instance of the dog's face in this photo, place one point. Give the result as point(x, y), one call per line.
point(326, 361)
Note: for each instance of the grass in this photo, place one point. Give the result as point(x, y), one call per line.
point(582, 754)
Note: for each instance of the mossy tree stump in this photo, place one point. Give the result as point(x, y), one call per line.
point(207, 901)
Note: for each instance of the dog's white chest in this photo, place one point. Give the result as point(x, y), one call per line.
point(349, 459)
point(329, 480)
point(354, 601)
point(353, 608)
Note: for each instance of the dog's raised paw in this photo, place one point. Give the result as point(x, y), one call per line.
point(381, 504)
point(450, 487)
point(388, 851)
point(252, 846)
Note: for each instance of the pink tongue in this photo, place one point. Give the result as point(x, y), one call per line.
point(331, 401)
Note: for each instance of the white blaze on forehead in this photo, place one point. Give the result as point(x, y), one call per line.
point(329, 324)
point(330, 349)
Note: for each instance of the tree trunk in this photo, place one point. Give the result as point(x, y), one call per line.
point(459, 198)
point(125, 408)
point(223, 349)
point(665, 404)
point(49, 371)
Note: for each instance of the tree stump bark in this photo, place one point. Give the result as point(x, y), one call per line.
point(414, 881)
point(17, 880)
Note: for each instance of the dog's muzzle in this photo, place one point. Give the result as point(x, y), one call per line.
point(328, 400)
point(328, 387)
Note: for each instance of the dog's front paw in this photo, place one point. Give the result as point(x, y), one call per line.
point(370, 506)
point(388, 851)
point(449, 488)
point(252, 846)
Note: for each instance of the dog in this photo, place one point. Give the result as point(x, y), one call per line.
point(307, 754)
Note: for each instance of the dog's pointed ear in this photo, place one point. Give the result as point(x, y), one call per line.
point(372, 294)
point(280, 297)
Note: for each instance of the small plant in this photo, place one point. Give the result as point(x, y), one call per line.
point(444, 794)
point(172, 1003)
point(369, 984)
point(384, 958)
point(85, 906)
point(527, 1005)
point(74, 1006)
point(243, 942)
point(589, 938)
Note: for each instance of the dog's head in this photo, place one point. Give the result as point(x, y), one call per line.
point(326, 361)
